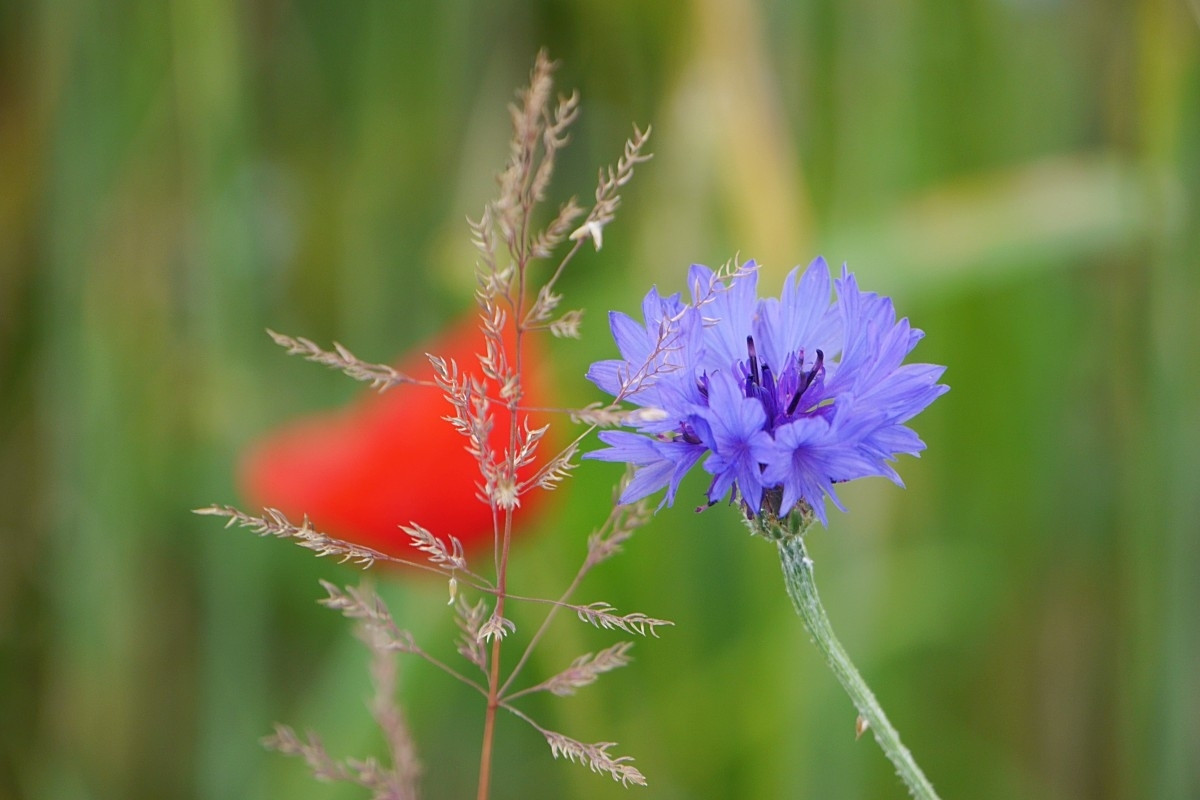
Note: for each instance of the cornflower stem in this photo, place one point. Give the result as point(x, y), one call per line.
point(802, 589)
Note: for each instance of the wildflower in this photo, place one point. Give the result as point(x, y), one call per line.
point(391, 458)
point(782, 397)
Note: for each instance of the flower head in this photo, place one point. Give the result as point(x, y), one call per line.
point(782, 397)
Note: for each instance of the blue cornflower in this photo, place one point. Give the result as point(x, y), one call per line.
point(782, 397)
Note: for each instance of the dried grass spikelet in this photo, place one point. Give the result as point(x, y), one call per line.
point(390, 458)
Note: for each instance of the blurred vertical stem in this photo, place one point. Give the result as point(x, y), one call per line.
point(788, 534)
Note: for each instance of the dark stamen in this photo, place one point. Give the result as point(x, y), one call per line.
point(812, 373)
point(754, 375)
point(791, 409)
point(687, 434)
point(805, 382)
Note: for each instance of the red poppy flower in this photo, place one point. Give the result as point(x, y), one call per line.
point(391, 458)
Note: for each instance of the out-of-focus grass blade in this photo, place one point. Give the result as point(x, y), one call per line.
point(985, 228)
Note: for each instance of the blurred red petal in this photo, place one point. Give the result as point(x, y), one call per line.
point(390, 458)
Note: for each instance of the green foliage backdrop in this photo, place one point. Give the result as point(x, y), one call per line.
point(1022, 175)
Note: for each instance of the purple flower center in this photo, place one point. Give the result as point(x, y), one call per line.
point(781, 395)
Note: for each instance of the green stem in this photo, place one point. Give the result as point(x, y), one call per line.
point(802, 588)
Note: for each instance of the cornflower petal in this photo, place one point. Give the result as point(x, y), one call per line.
point(728, 313)
point(801, 318)
point(657, 464)
point(735, 430)
point(609, 375)
point(632, 339)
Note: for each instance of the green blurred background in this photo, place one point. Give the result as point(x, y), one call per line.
point(1022, 175)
